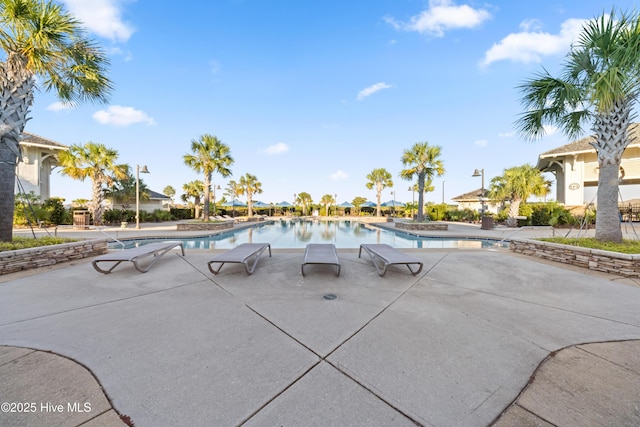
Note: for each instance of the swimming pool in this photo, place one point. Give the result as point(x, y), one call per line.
point(297, 233)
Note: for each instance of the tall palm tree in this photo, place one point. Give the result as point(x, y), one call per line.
point(598, 87)
point(327, 200)
point(516, 184)
point(305, 200)
point(423, 162)
point(250, 185)
point(210, 155)
point(96, 162)
point(380, 179)
point(40, 39)
point(193, 190)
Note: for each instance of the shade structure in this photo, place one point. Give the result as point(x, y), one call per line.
point(237, 203)
point(368, 204)
point(346, 205)
point(393, 203)
point(259, 204)
point(284, 204)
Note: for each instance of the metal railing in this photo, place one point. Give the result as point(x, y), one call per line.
point(529, 227)
point(111, 237)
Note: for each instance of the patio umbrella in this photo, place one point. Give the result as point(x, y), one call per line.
point(259, 204)
point(368, 204)
point(346, 205)
point(393, 203)
point(284, 205)
point(237, 203)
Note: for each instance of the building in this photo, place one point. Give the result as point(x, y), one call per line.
point(156, 201)
point(472, 201)
point(575, 167)
point(39, 157)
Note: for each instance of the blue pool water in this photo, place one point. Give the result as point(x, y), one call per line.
point(344, 234)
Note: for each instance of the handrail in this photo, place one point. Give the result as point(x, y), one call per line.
point(111, 237)
point(528, 227)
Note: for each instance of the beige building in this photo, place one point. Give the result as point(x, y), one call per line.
point(472, 201)
point(39, 157)
point(575, 167)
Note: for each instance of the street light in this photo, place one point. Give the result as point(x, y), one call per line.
point(138, 170)
point(393, 203)
point(413, 198)
point(477, 173)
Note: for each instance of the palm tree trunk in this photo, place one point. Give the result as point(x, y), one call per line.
point(16, 98)
point(207, 195)
point(611, 141)
point(7, 191)
point(97, 198)
point(514, 210)
point(420, 217)
point(379, 191)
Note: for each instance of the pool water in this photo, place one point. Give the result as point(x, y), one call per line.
point(297, 233)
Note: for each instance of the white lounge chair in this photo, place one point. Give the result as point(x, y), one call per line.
point(384, 255)
point(321, 253)
point(241, 254)
point(136, 255)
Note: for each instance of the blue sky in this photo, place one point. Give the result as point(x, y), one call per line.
point(313, 95)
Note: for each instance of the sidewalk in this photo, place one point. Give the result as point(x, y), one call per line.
point(455, 345)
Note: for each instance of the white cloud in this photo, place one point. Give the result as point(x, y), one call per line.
point(371, 90)
point(509, 134)
point(118, 115)
point(442, 15)
point(102, 17)
point(550, 130)
point(339, 175)
point(278, 148)
point(481, 142)
point(530, 46)
point(59, 106)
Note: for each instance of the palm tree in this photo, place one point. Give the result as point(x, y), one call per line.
point(123, 190)
point(40, 40)
point(380, 179)
point(598, 87)
point(96, 162)
point(305, 200)
point(233, 190)
point(210, 155)
point(250, 185)
point(424, 162)
point(193, 190)
point(356, 202)
point(327, 200)
point(516, 184)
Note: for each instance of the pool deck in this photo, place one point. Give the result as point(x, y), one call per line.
point(480, 337)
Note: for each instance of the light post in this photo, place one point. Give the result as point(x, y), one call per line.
point(443, 181)
point(335, 204)
point(294, 204)
point(477, 173)
point(393, 203)
point(413, 198)
point(214, 198)
point(138, 170)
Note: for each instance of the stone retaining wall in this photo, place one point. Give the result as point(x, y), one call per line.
point(25, 259)
point(422, 226)
point(593, 259)
point(204, 226)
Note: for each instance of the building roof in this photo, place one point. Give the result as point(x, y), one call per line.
point(584, 145)
point(33, 140)
point(156, 196)
point(471, 195)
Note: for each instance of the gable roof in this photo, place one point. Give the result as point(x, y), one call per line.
point(583, 145)
point(156, 195)
point(33, 140)
point(472, 195)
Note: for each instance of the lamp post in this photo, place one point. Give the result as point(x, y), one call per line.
point(138, 170)
point(443, 181)
point(393, 203)
point(214, 198)
point(477, 173)
point(413, 198)
point(335, 204)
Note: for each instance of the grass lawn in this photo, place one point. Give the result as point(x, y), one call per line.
point(27, 242)
point(626, 247)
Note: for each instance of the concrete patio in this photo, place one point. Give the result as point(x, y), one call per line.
point(453, 346)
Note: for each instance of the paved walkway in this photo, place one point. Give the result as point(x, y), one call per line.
point(479, 337)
